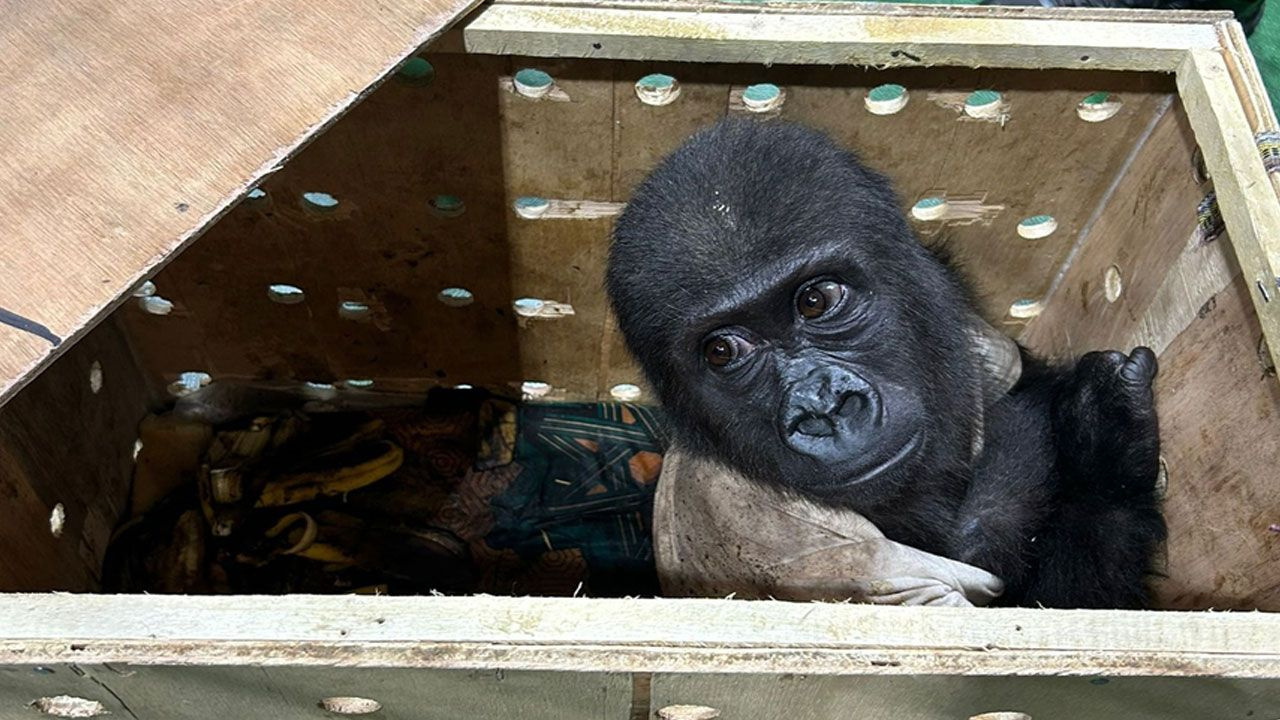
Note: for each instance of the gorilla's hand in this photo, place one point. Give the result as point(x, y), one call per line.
point(1106, 419)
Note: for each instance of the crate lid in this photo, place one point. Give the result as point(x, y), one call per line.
point(129, 127)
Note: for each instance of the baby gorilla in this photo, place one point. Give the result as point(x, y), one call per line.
point(796, 330)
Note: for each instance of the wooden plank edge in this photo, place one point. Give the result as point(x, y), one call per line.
point(11, 386)
point(652, 635)
point(822, 35)
point(1246, 196)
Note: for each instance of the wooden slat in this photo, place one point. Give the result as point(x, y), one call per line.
point(579, 634)
point(128, 127)
point(811, 33)
point(1246, 195)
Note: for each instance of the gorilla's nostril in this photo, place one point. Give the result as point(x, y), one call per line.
point(851, 404)
point(815, 426)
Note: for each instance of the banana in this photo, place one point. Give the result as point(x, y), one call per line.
point(372, 462)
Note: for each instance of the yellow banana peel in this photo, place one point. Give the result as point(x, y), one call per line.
point(334, 480)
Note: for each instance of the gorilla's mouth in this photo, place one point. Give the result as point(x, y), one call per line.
point(900, 455)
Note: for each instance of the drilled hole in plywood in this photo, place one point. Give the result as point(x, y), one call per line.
point(448, 206)
point(688, 712)
point(57, 520)
point(930, 208)
point(1037, 227)
point(456, 297)
point(886, 99)
point(1112, 283)
point(984, 104)
point(625, 392)
point(533, 83)
point(137, 449)
point(256, 195)
point(320, 390)
point(66, 706)
point(1098, 106)
point(95, 377)
point(657, 89)
point(286, 294)
point(155, 305)
point(350, 705)
point(1001, 716)
point(189, 382)
point(762, 97)
point(533, 389)
point(1025, 309)
point(319, 200)
point(146, 289)
point(417, 70)
point(353, 310)
point(358, 383)
point(530, 207)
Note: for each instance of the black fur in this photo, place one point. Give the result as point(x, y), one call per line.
point(871, 405)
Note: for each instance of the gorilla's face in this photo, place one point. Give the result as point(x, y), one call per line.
point(812, 363)
point(791, 323)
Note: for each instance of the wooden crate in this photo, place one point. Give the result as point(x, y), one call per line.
point(172, 142)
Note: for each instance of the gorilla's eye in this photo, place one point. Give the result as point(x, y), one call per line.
point(721, 350)
point(817, 299)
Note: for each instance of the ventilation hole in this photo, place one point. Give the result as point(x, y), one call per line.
point(657, 89)
point(1025, 309)
point(1037, 226)
point(930, 208)
point(1098, 107)
point(42, 670)
point(256, 194)
point(528, 307)
point(625, 392)
point(189, 382)
point(1112, 284)
point(137, 449)
point(1262, 290)
point(358, 383)
point(286, 294)
point(456, 297)
point(533, 83)
point(319, 390)
point(352, 310)
point(350, 705)
point(532, 390)
point(530, 207)
point(448, 206)
point(886, 99)
point(762, 97)
point(66, 706)
point(319, 200)
point(57, 520)
point(1102, 680)
point(146, 289)
point(464, 386)
point(155, 305)
point(417, 69)
point(95, 377)
point(1001, 716)
point(688, 712)
point(983, 104)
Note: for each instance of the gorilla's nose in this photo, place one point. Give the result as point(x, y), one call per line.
point(828, 411)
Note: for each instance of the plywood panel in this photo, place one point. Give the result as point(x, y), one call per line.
point(208, 693)
point(1219, 408)
point(1146, 225)
point(129, 126)
point(799, 697)
point(68, 439)
point(591, 140)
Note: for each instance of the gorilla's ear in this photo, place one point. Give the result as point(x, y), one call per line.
point(1000, 361)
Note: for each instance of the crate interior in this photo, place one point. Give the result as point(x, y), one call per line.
point(416, 196)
